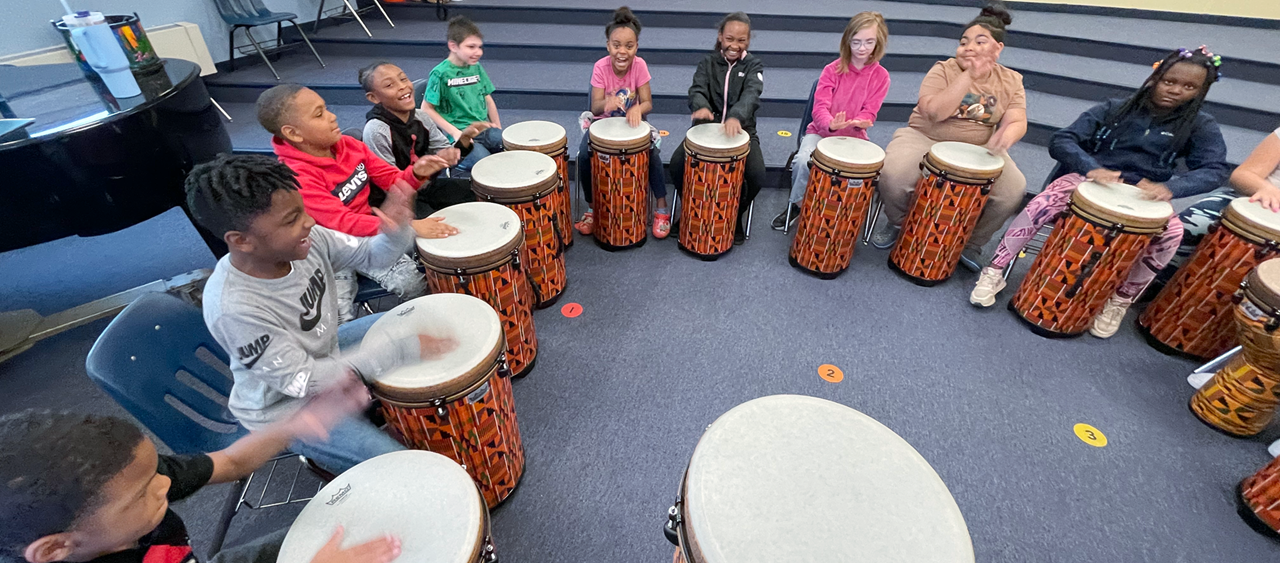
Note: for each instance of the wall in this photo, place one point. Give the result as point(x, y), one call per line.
point(27, 21)
point(1244, 8)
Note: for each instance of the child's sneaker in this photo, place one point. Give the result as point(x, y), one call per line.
point(661, 225)
point(584, 120)
point(584, 226)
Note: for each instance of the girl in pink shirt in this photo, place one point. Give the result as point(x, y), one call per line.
point(850, 91)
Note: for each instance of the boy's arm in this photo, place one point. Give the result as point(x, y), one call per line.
point(365, 253)
point(431, 98)
point(444, 124)
point(377, 136)
point(329, 211)
point(493, 111)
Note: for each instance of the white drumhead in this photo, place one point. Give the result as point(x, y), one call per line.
point(1255, 212)
point(789, 478)
point(711, 135)
point(513, 170)
point(618, 130)
point(469, 321)
point(1124, 199)
point(967, 156)
point(483, 227)
point(533, 133)
point(425, 499)
point(851, 150)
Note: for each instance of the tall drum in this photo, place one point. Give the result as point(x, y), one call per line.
point(527, 181)
point(791, 479)
point(949, 201)
point(619, 182)
point(713, 174)
point(547, 138)
point(423, 499)
point(842, 181)
point(1087, 257)
point(1242, 397)
point(1259, 499)
point(458, 404)
point(485, 260)
point(1192, 314)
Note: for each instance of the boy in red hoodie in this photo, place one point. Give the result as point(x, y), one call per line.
point(336, 172)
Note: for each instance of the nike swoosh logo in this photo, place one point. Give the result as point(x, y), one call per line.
point(253, 360)
point(309, 323)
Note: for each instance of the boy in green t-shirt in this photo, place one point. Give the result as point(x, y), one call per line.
point(459, 91)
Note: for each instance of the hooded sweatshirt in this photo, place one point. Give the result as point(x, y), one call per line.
point(728, 89)
point(335, 190)
point(858, 92)
point(401, 143)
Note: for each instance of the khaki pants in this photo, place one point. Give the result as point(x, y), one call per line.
point(901, 173)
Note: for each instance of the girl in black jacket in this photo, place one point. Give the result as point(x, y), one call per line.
point(734, 104)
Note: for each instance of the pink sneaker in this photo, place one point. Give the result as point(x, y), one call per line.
point(584, 226)
point(661, 225)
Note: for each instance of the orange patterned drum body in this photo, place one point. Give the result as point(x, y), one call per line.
point(842, 178)
point(527, 181)
point(1087, 257)
point(949, 200)
point(713, 175)
point(458, 404)
point(1192, 314)
point(1242, 397)
point(485, 260)
point(547, 138)
point(1259, 499)
point(619, 182)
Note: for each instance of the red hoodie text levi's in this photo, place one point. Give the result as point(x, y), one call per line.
point(335, 190)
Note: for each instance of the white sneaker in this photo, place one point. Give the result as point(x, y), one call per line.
point(1108, 321)
point(1274, 449)
point(989, 284)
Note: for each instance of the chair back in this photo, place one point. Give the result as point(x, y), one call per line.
point(807, 118)
point(241, 11)
point(158, 360)
point(357, 132)
point(419, 91)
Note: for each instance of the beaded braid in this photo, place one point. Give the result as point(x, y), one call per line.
point(227, 193)
point(1183, 116)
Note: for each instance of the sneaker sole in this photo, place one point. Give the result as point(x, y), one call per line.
point(983, 303)
point(1099, 334)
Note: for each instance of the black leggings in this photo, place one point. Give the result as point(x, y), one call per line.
point(754, 176)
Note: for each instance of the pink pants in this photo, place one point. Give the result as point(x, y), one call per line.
point(1052, 201)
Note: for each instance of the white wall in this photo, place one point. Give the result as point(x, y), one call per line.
point(27, 21)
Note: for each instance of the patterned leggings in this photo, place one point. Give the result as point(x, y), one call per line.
point(1053, 200)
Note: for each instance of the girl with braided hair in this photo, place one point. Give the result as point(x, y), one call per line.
point(1137, 141)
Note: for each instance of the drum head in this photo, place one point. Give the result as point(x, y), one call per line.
point(1122, 203)
point(1258, 220)
point(616, 132)
point(486, 231)
point(514, 174)
point(533, 134)
point(789, 478)
point(711, 137)
point(1264, 283)
point(425, 499)
point(967, 159)
point(470, 322)
point(851, 151)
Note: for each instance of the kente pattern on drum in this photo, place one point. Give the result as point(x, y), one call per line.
point(1242, 396)
point(1193, 311)
point(1261, 493)
point(1079, 268)
point(480, 433)
point(506, 289)
point(937, 228)
point(620, 197)
point(709, 205)
point(543, 248)
point(831, 217)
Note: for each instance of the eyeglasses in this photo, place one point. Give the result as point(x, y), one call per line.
point(858, 44)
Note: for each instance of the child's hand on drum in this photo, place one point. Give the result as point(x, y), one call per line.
point(634, 117)
point(838, 122)
point(1154, 190)
point(1268, 198)
point(613, 103)
point(732, 127)
point(703, 114)
point(1104, 175)
point(379, 550)
point(451, 155)
point(433, 227)
point(861, 123)
point(476, 128)
point(433, 346)
point(340, 400)
point(395, 211)
point(427, 166)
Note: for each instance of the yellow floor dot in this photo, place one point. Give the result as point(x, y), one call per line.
point(1090, 435)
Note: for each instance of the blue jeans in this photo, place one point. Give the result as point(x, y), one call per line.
point(485, 144)
point(657, 181)
point(354, 439)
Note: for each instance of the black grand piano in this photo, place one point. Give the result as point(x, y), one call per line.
point(91, 164)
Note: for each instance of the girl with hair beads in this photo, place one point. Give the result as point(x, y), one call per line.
point(620, 88)
point(726, 89)
point(1136, 141)
point(849, 94)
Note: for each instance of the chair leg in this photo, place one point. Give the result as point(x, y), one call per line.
point(231, 49)
point(1004, 274)
point(308, 42)
point(384, 12)
point(751, 211)
point(875, 217)
point(220, 110)
point(316, 28)
point(261, 53)
point(357, 16)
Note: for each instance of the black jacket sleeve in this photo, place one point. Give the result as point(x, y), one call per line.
point(188, 474)
point(700, 90)
point(744, 109)
point(1066, 145)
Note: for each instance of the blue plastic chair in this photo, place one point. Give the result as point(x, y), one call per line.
point(149, 360)
point(784, 179)
point(249, 14)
